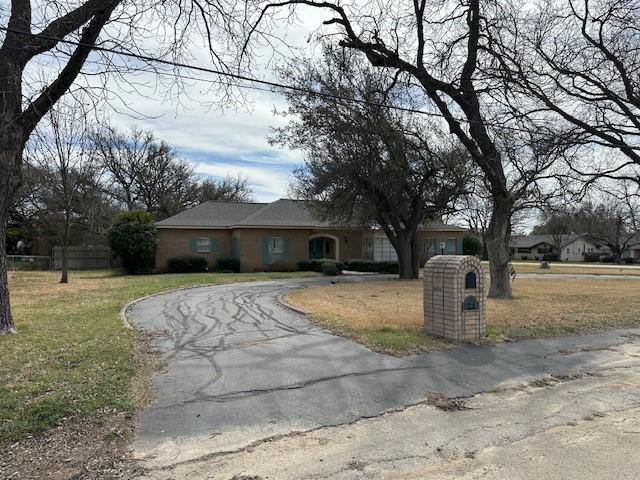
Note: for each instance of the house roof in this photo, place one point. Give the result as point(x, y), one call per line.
point(441, 226)
point(212, 214)
point(529, 241)
point(283, 213)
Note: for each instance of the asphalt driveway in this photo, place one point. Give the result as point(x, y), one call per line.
point(242, 367)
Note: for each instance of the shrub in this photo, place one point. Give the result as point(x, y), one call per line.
point(306, 266)
point(228, 264)
point(281, 267)
point(607, 259)
point(330, 269)
point(134, 238)
point(187, 264)
point(550, 257)
point(591, 257)
point(316, 265)
point(471, 245)
point(359, 265)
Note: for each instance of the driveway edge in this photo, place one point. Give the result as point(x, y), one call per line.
point(128, 305)
point(291, 307)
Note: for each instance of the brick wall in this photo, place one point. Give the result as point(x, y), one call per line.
point(174, 242)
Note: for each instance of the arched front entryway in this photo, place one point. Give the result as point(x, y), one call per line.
point(324, 246)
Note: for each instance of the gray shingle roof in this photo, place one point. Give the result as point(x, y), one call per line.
point(528, 241)
point(212, 214)
point(285, 213)
point(281, 213)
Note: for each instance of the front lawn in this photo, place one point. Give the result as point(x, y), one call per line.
point(72, 356)
point(572, 268)
point(388, 316)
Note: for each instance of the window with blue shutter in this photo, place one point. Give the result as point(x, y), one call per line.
point(265, 251)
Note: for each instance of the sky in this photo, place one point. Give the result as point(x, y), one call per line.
point(220, 143)
point(230, 141)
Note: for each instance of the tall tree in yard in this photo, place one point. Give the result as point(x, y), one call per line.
point(68, 174)
point(364, 161)
point(443, 48)
point(27, 37)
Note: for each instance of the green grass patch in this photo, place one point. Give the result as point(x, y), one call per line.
point(401, 341)
point(72, 355)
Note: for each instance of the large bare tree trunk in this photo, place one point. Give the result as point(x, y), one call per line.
point(8, 160)
point(6, 321)
point(405, 264)
point(498, 236)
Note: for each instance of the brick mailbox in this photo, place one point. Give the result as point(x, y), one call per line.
point(454, 300)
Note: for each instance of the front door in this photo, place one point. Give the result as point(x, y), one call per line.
point(321, 247)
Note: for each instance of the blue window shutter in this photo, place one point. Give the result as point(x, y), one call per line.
point(193, 245)
point(459, 246)
point(285, 249)
point(215, 244)
point(235, 247)
point(265, 251)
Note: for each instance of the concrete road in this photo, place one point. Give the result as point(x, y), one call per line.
point(244, 374)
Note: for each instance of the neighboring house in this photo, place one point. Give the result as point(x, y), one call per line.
point(573, 247)
point(282, 233)
point(531, 247)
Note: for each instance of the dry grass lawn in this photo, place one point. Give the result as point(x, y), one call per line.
point(387, 316)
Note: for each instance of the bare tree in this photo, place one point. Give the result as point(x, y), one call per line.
point(577, 61)
point(443, 47)
point(146, 173)
point(614, 220)
point(68, 175)
point(120, 23)
point(228, 189)
point(165, 183)
point(122, 156)
point(475, 211)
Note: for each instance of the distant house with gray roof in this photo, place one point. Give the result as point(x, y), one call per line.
point(569, 247)
point(270, 235)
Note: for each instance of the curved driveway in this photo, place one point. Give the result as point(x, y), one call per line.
point(240, 367)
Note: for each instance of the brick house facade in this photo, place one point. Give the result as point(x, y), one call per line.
point(278, 234)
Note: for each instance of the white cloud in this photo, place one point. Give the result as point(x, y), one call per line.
point(267, 185)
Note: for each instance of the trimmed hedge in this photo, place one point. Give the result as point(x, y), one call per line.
point(329, 269)
point(281, 266)
point(316, 265)
point(360, 265)
point(187, 264)
point(228, 264)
